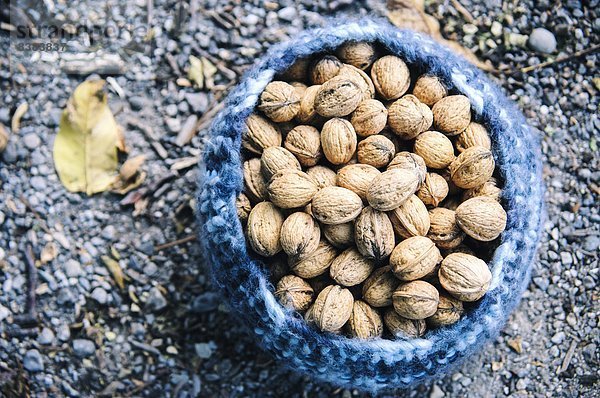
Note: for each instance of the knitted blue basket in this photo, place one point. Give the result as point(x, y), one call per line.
point(371, 365)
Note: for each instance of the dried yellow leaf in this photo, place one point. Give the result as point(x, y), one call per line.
point(115, 270)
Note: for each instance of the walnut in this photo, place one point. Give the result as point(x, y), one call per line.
point(339, 235)
point(376, 150)
point(338, 97)
point(403, 328)
point(409, 161)
point(300, 235)
point(305, 143)
point(408, 117)
point(472, 167)
point(435, 149)
point(452, 114)
point(391, 188)
point(276, 158)
point(358, 54)
point(307, 113)
point(378, 288)
point(482, 218)
point(429, 89)
point(332, 308)
point(360, 78)
point(370, 117)
point(290, 188)
point(336, 205)
point(434, 190)
point(254, 181)
point(443, 229)
point(357, 178)
point(263, 229)
point(294, 293)
point(315, 263)
point(411, 218)
point(338, 140)
point(324, 176)
point(449, 311)
point(351, 268)
point(464, 276)
point(374, 234)
point(325, 69)
point(391, 77)
point(414, 258)
point(260, 133)
point(489, 189)
point(365, 322)
point(474, 135)
point(415, 300)
point(243, 207)
point(279, 101)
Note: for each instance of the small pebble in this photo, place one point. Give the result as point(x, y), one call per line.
point(31, 141)
point(542, 40)
point(83, 347)
point(32, 361)
point(46, 336)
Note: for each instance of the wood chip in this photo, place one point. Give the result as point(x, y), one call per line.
point(19, 113)
point(115, 270)
point(188, 130)
point(516, 344)
point(568, 356)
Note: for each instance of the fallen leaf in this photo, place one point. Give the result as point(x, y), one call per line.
point(115, 253)
point(115, 270)
point(85, 149)
point(49, 253)
point(123, 187)
point(130, 176)
point(516, 344)
point(196, 71)
point(19, 113)
point(4, 136)
point(209, 72)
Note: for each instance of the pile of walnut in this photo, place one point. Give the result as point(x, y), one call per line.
point(379, 199)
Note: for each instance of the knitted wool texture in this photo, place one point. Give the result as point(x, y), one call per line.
point(370, 365)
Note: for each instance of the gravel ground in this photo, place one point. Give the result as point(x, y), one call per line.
point(167, 333)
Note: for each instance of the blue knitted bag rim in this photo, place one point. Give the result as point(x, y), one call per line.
point(370, 365)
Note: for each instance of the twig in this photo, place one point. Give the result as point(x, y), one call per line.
point(29, 319)
point(567, 360)
point(463, 11)
point(576, 54)
point(177, 242)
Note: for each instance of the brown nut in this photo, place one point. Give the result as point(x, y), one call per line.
point(254, 181)
point(324, 176)
point(279, 101)
point(294, 293)
point(315, 263)
point(472, 167)
point(358, 54)
point(370, 117)
point(409, 161)
point(365, 322)
point(260, 133)
point(291, 188)
point(357, 178)
point(339, 235)
point(332, 308)
point(305, 143)
point(429, 89)
point(338, 97)
point(350, 268)
point(443, 229)
point(474, 135)
point(360, 78)
point(435, 149)
point(414, 258)
point(489, 189)
point(392, 188)
point(482, 218)
point(416, 300)
point(391, 77)
point(243, 207)
point(448, 312)
point(464, 276)
point(452, 114)
point(374, 234)
point(411, 218)
point(325, 69)
point(403, 328)
point(434, 190)
point(336, 205)
point(276, 158)
point(378, 288)
point(376, 150)
point(307, 113)
point(263, 229)
point(300, 235)
point(338, 140)
point(408, 117)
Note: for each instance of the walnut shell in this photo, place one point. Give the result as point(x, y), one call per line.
point(482, 218)
point(408, 117)
point(260, 133)
point(362, 80)
point(365, 322)
point(305, 143)
point(429, 89)
point(370, 117)
point(290, 188)
point(358, 54)
point(338, 140)
point(315, 263)
point(357, 178)
point(392, 188)
point(307, 113)
point(409, 161)
point(435, 149)
point(472, 167)
point(416, 300)
point(263, 229)
point(452, 114)
point(443, 229)
point(391, 77)
point(411, 218)
point(279, 101)
point(474, 135)
point(336, 205)
point(376, 150)
point(325, 69)
point(242, 207)
point(324, 176)
point(350, 268)
point(464, 276)
point(276, 158)
point(414, 258)
point(489, 189)
point(339, 235)
point(448, 312)
point(254, 181)
point(338, 97)
point(378, 288)
point(300, 235)
point(332, 308)
point(374, 234)
point(434, 190)
point(294, 293)
point(403, 328)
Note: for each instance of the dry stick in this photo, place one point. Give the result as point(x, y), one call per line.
point(463, 11)
point(29, 319)
point(181, 241)
point(562, 59)
point(567, 360)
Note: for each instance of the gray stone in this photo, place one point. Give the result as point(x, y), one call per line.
point(173, 124)
point(566, 258)
point(137, 103)
point(63, 332)
point(436, 392)
point(198, 101)
point(156, 301)
point(73, 268)
point(31, 140)
point(287, 13)
point(4, 114)
point(4, 312)
point(10, 154)
point(171, 110)
point(46, 336)
point(204, 350)
point(592, 243)
point(541, 282)
point(558, 338)
point(100, 295)
point(542, 40)
point(83, 347)
point(32, 361)
point(38, 183)
point(109, 232)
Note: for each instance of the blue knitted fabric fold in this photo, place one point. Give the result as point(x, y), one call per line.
point(371, 365)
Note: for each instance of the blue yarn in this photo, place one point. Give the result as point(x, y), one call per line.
point(371, 365)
